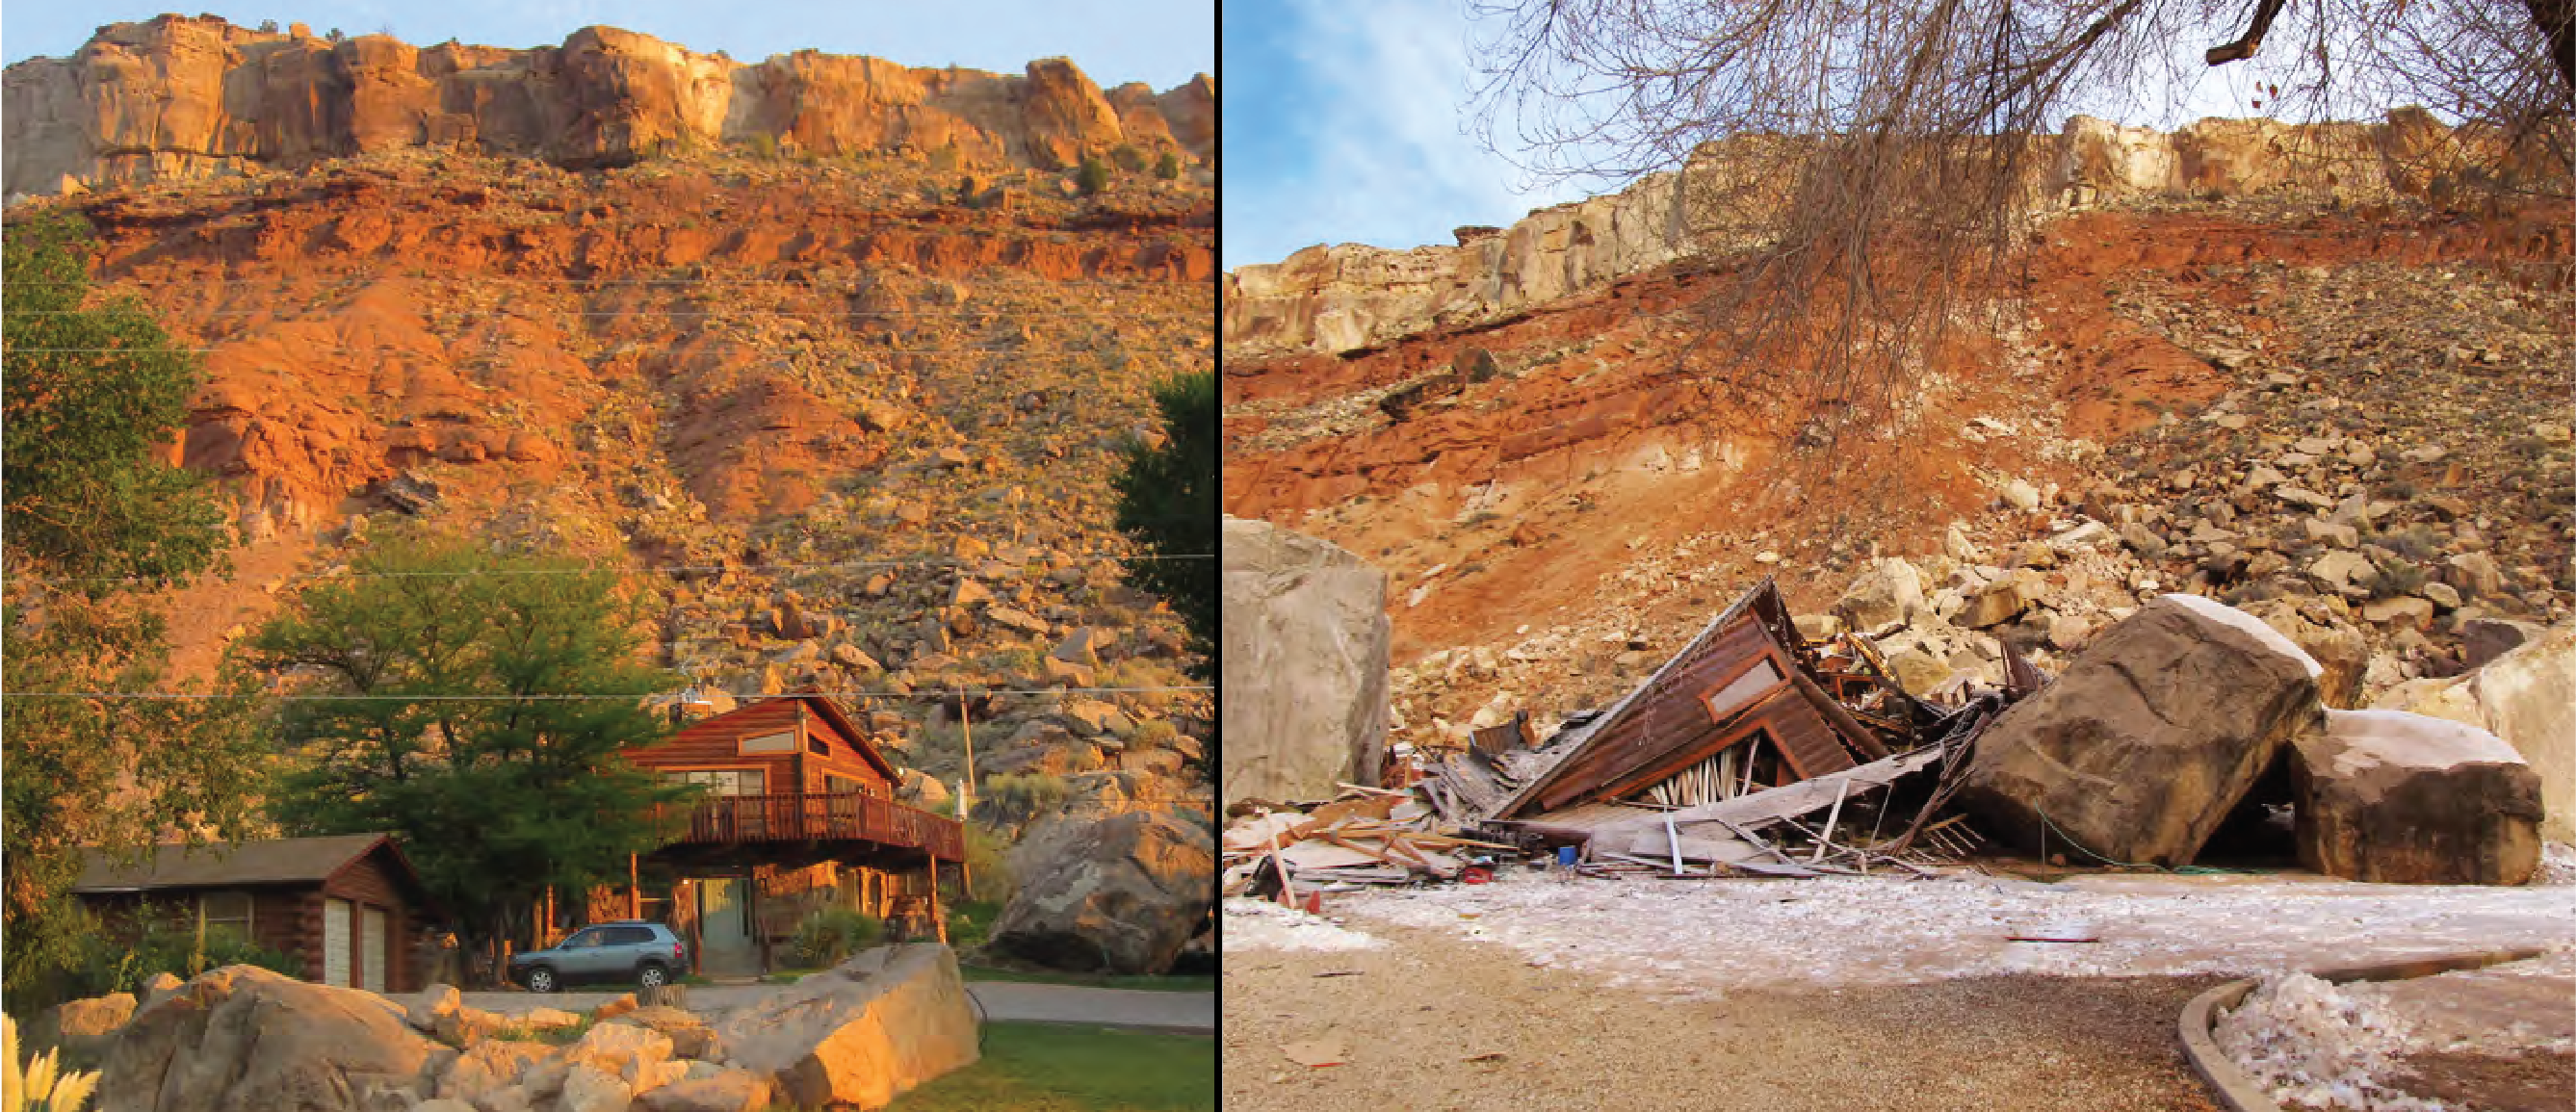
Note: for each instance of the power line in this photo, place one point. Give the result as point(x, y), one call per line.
point(939, 562)
point(936, 692)
point(504, 279)
point(496, 340)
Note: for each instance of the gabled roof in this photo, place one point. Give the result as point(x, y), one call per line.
point(244, 865)
point(1762, 603)
point(823, 707)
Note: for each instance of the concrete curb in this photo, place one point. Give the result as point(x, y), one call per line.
point(2237, 1089)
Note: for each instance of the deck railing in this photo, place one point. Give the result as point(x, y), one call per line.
point(823, 816)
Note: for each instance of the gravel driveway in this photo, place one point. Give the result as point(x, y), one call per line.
point(1431, 1022)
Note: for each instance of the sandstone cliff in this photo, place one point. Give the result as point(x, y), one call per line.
point(1345, 297)
point(177, 97)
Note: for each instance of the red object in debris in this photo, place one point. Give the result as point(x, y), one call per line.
point(1476, 874)
point(1314, 903)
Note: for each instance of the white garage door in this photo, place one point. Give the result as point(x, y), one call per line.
point(372, 968)
point(335, 942)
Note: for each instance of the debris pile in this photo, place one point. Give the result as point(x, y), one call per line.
point(1366, 836)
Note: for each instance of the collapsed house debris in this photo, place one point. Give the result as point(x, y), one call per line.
point(1750, 728)
point(1756, 751)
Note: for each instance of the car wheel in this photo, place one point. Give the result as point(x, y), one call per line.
point(541, 979)
point(652, 975)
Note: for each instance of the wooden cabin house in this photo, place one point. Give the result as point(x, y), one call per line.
point(800, 812)
point(1745, 706)
point(349, 905)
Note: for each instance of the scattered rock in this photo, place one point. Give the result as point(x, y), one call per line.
point(243, 1037)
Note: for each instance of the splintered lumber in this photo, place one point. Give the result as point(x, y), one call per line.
point(1825, 839)
point(1759, 808)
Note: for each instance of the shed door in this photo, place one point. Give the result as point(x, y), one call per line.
point(374, 958)
point(335, 942)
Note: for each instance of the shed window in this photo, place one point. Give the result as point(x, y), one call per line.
point(817, 746)
point(782, 742)
point(223, 915)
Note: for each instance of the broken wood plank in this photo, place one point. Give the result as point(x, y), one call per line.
point(1807, 795)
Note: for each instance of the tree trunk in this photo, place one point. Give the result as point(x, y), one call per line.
point(2556, 21)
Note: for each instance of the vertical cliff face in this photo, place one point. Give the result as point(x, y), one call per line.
point(1347, 297)
point(176, 98)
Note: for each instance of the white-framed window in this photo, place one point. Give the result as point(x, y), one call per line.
point(223, 914)
point(727, 781)
point(781, 742)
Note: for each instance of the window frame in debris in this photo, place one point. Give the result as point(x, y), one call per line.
point(1768, 658)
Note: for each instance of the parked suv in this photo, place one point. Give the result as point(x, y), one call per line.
point(633, 950)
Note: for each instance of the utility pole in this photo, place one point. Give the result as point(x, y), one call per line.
point(966, 726)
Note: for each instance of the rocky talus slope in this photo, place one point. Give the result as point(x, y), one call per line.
point(2326, 397)
point(846, 411)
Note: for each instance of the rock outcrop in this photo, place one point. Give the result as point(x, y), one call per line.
point(84, 1026)
point(2149, 739)
point(1305, 665)
point(1120, 896)
point(178, 97)
point(1343, 297)
point(861, 1033)
point(2528, 698)
point(2397, 798)
point(244, 1037)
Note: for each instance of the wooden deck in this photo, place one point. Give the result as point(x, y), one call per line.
point(822, 817)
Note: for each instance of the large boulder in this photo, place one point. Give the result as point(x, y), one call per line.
point(243, 1037)
point(728, 1090)
point(2151, 736)
point(2397, 798)
point(1304, 665)
point(2335, 644)
point(860, 1033)
point(2528, 698)
point(1122, 895)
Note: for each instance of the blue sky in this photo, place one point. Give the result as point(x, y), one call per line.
point(1160, 42)
point(1343, 124)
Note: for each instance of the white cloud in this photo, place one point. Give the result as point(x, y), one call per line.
point(1391, 164)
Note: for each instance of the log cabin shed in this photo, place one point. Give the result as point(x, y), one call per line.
point(349, 905)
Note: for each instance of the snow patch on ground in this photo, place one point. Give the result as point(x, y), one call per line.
point(2305, 1040)
point(1260, 925)
point(1693, 937)
point(2557, 864)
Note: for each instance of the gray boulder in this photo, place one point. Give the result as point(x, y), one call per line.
point(856, 1035)
point(1304, 665)
point(243, 1037)
point(1122, 895)
point(2396, 798)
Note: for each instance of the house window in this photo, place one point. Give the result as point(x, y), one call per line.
point(727, 781)
point(223, 915)
point(817, 746)
point(839, 785)
point(784, 742)
point(1756, 681)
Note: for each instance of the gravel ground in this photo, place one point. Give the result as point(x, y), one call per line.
point(1419, 1013)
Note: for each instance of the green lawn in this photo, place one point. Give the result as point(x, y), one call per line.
point(1094, 980)
point(1046, 1067)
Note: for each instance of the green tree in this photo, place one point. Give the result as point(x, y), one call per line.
point(1092, 177)
point(474, 706)
point(96, 521)
point(1168, 166)
point(1167, 504)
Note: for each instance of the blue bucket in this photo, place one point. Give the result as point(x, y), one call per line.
point(1565, 857)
